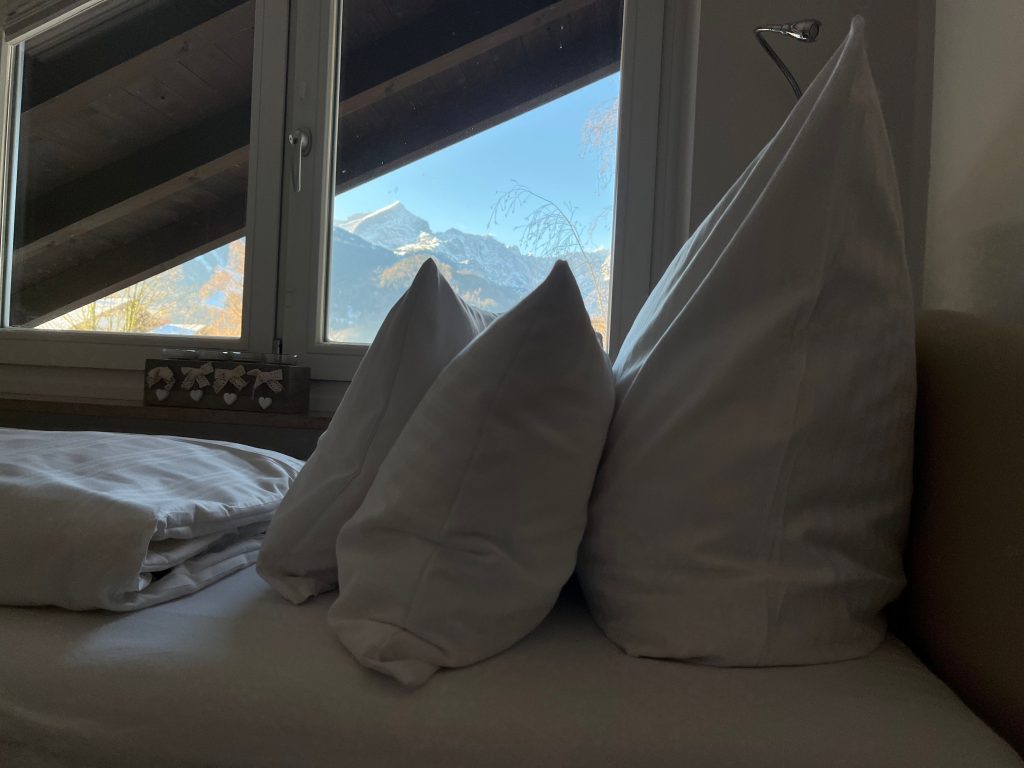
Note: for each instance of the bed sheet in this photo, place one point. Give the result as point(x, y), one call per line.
point(236, 676)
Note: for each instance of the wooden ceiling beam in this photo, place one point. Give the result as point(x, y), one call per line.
point(461, 55)
point(168, 53)
point(126, 207)
point(131, 183)
point(366, 154)
point(20, 16)
point(214, 145)
point(107, 42)
point(101, 274)
point(407, 44)
point(426, 142)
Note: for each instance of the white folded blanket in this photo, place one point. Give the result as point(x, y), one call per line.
point(121, 522)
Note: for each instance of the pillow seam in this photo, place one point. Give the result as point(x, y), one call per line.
point(783, 477)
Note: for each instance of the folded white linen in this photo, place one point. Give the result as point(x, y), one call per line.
point(122, 521)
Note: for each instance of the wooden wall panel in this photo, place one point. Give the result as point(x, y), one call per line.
point(20, 15)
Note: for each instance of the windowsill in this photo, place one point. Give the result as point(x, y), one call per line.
point(135, 410)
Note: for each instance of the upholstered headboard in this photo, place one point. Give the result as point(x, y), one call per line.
point(963, 610)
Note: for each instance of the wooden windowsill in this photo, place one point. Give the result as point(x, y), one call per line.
point(130, 410)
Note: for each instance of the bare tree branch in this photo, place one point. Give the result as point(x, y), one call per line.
point(553, 230)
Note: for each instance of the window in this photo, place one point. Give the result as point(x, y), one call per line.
point(135, 133)
point(132, 169)
point(153, 198)
point(489, 146)
point(539, 188)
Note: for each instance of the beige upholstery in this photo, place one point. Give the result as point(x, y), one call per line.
point(963, 611)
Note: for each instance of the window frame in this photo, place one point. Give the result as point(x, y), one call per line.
point(128, 351)
point(306, 221)
point(295, 77)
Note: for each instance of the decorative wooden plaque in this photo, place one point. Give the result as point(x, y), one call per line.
point(227, 385)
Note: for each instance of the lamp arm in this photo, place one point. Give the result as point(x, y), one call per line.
point(779, 63)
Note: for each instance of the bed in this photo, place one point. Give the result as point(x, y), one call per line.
point(236, 676)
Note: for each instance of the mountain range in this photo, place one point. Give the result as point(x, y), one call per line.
point(375, 255)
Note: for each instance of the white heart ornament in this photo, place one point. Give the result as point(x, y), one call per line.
point(230, 397)
point(265, 402)
point(196, 395)
point(162, 394)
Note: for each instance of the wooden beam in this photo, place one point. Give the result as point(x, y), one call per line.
point(110, 38)
point(415, 152)
point(369, 61)
point(81, 301)
point(169, 53)
point(462, 54)
point(129, 205)
point(108, 271)
point(367, 151)
point(118, 189)
point(22, 15)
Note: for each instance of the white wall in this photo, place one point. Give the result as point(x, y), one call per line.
point(742, 98)
point(975, 246)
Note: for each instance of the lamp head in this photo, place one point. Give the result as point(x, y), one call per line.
point(805, 30)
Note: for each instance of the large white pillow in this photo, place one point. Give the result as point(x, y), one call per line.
point(751, 504)
point(428, 327)
point(472, 525)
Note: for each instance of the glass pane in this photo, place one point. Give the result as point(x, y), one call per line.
point(482, 135)
point(202, 297)
point(132, 168)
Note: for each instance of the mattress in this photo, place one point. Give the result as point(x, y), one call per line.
point(236, 676)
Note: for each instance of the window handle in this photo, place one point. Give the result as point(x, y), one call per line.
point(299, 140)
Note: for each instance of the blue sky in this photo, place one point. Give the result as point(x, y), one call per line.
point(541, 149)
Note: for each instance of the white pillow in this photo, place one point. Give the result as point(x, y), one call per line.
point(472, 525)
point(751, 504)
point(426, 328)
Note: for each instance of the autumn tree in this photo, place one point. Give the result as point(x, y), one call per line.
point(223, 293)
point(402, 272)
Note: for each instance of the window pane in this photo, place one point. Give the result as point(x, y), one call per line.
point(481, 135)
point(132, 168)
point(202, 297)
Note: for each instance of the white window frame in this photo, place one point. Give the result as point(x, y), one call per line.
point(307, 215)
point(125, 351)
point(295, 77)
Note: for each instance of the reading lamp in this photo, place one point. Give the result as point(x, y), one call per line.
point(806, 31)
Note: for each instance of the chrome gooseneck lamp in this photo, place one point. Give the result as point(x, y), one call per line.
point(806, 31)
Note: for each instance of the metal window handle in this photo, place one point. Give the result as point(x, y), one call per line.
point(299, 140)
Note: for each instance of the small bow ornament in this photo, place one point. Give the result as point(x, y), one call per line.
point(163, 374)
point(272, 379)
point(196, 376)
point(233, 376)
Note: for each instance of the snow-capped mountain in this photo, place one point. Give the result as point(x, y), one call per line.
point(492, 260)
point(394, 227)
point(390, 227)
point(375, 256)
